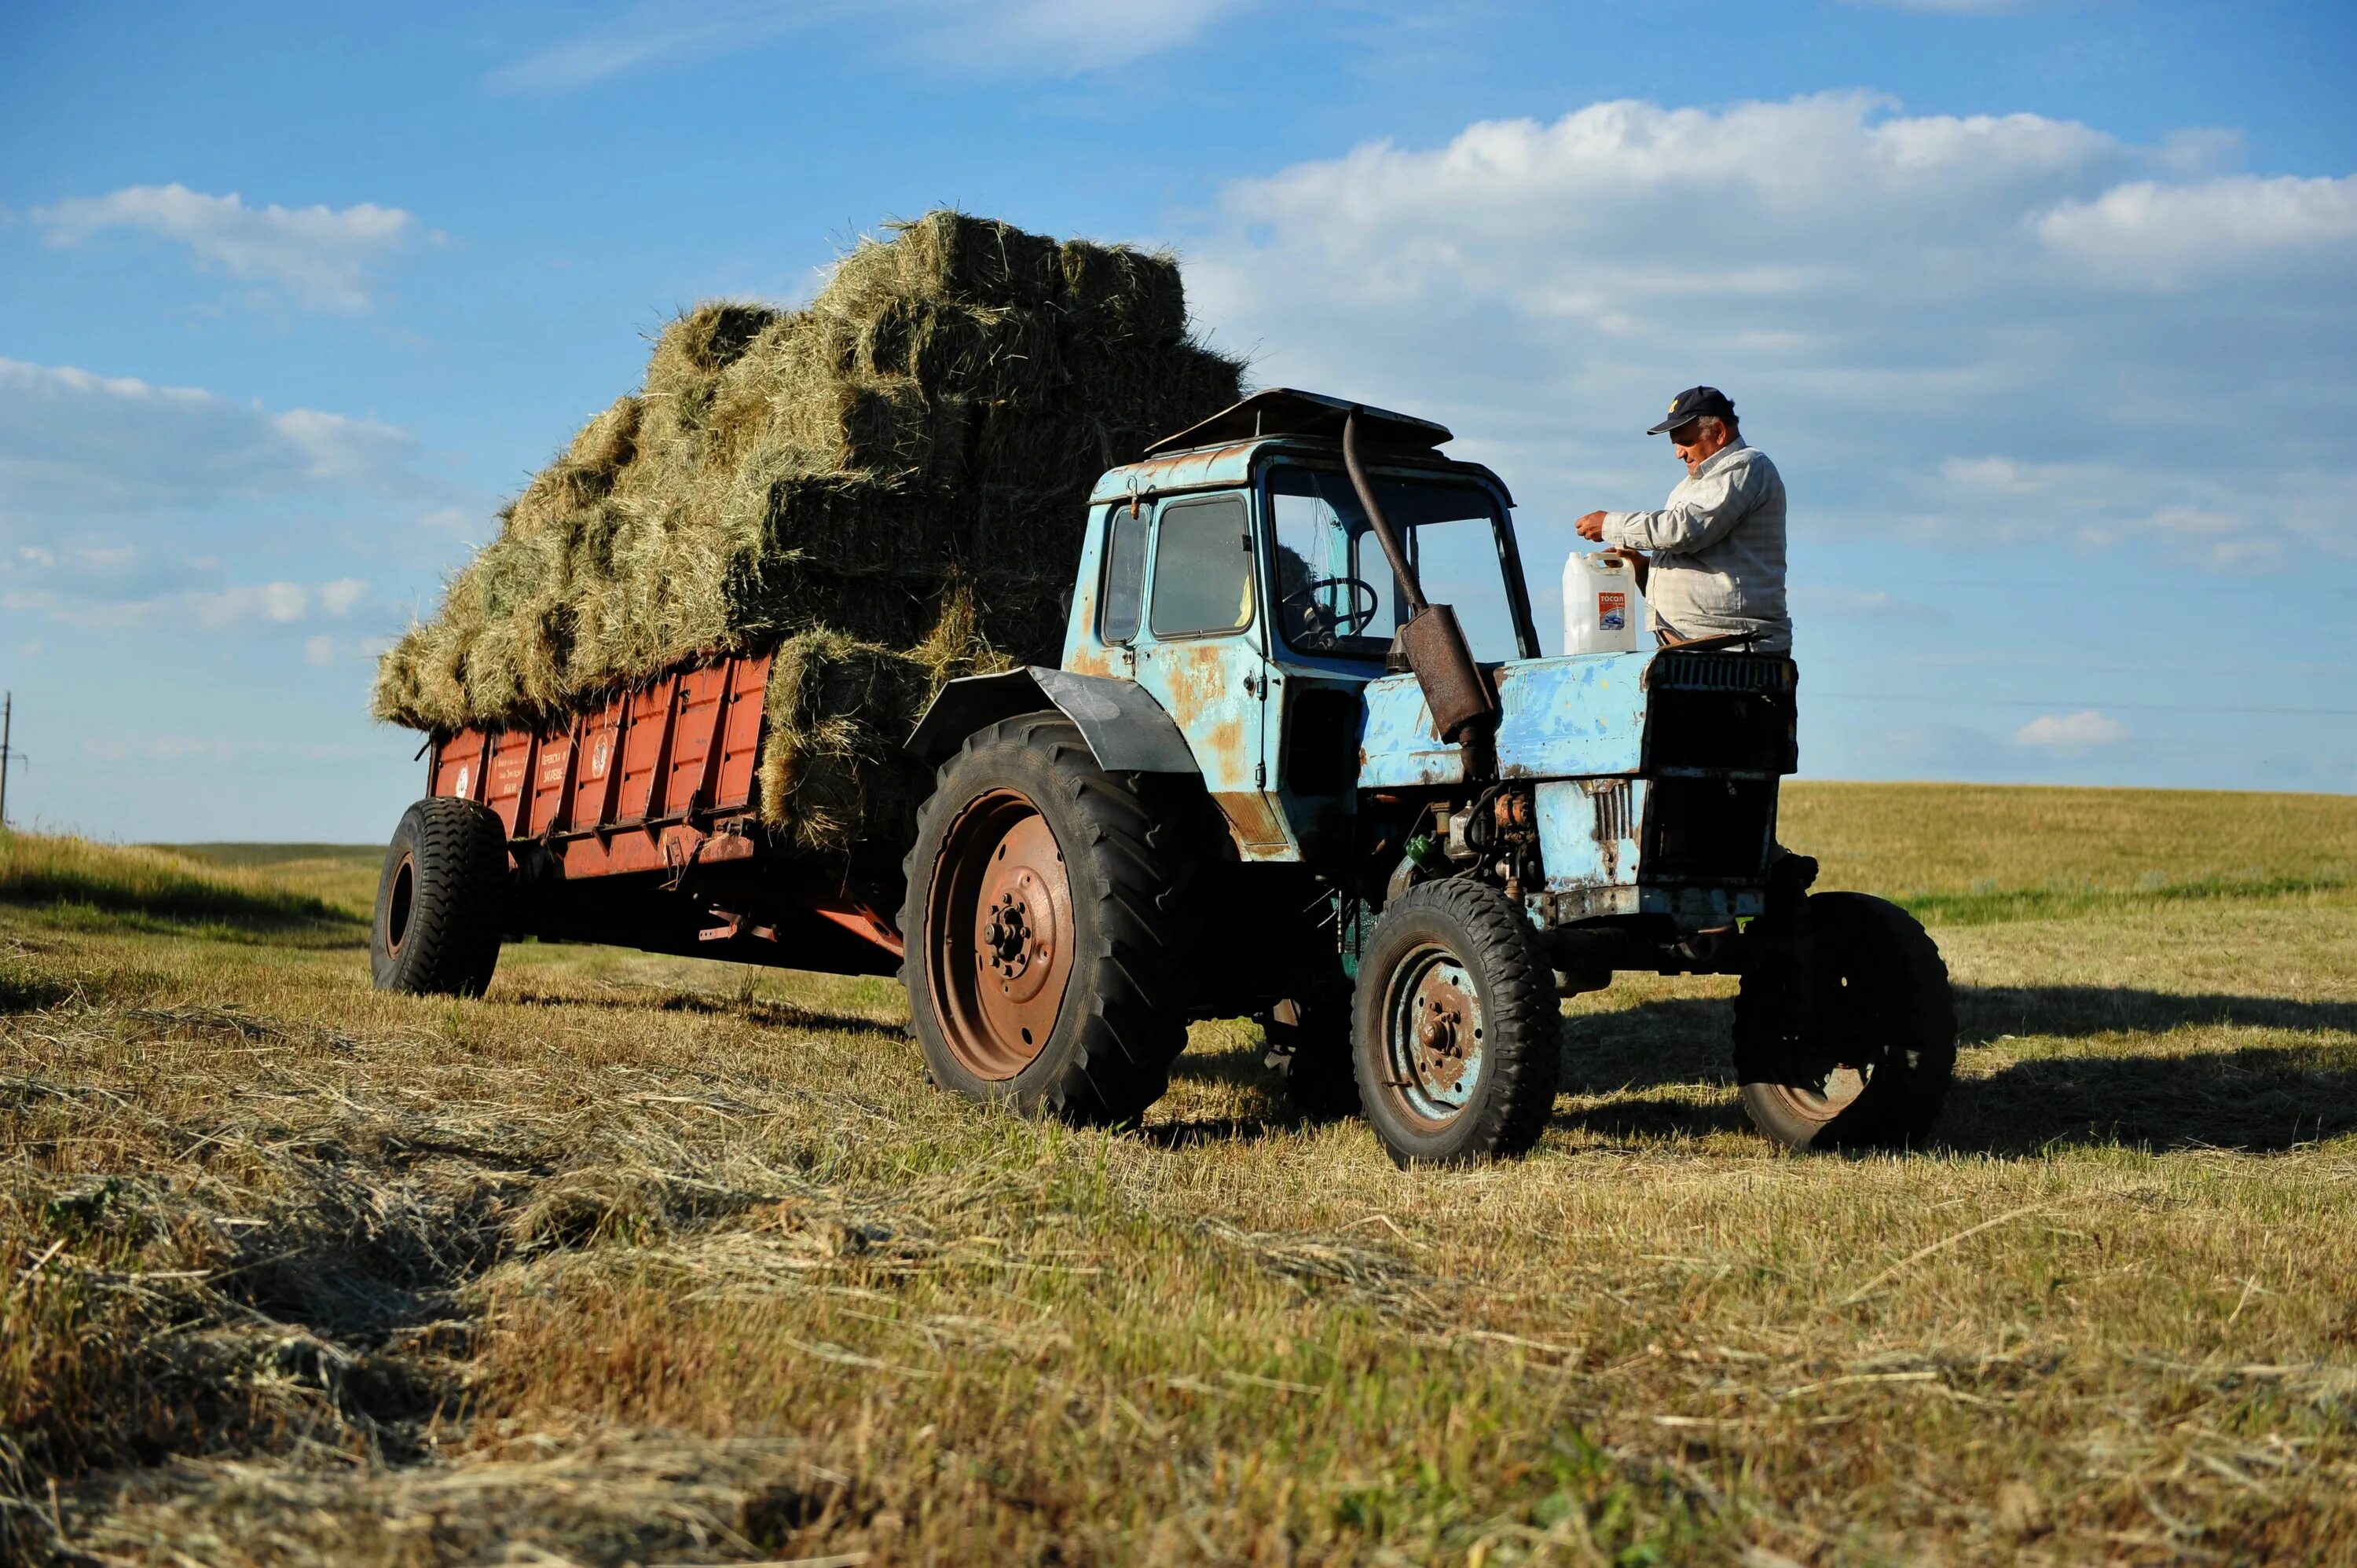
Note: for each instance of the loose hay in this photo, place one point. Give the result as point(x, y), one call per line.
point(887, 489)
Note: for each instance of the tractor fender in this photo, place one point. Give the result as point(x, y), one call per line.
point(1126, 730)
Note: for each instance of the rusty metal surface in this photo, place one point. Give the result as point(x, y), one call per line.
point(1435, 1036)
point(684, 747)
point(999, 935)
point(1457, 695)
point(1690, 909)
point(1587, 831)
point(1570, 718)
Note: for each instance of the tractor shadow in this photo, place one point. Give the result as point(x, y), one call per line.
point(2256, 1098)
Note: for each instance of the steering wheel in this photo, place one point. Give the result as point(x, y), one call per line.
point(1350, 622)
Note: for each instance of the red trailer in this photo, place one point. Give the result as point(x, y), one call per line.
point(638, 824)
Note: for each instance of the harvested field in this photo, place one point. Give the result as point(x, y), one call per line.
point(890, 484)
point(650, 1260)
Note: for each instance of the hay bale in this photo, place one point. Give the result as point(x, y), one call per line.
point(887, 489)
point(946, 256)
point(1120, 293)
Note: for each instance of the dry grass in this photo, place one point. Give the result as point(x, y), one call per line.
point(641, 1260)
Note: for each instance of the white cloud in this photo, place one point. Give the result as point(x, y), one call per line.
point(123, 503)
point(1031, 37)
point(318, 256)
point(2002, 475)
point(2068, 734)
point(320, 650)
point(2166, 236)
point(1906, 308)
point(68, 437)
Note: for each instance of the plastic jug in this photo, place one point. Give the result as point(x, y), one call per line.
point(1601, 611)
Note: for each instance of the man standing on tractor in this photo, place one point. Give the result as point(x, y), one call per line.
point(1711, 562)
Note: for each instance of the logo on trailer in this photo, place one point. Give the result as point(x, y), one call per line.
point(1611, 612)
point(461, 787)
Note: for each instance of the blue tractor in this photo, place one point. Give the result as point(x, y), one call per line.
point(1271, 777)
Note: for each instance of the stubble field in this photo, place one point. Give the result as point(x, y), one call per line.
point(657, 1262)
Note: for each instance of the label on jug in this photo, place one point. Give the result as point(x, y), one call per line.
point(1611, 612)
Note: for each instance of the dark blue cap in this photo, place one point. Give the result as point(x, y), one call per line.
point(1694, 403)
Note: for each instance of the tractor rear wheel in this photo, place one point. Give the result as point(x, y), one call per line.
point(441, 901)
point(1867, 1061)
point(1455, 1036)
point(1048, 933)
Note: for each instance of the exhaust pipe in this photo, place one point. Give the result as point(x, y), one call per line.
point(1461, 701)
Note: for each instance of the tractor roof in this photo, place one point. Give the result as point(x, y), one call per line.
point(1282, 410)
point(1221, 452)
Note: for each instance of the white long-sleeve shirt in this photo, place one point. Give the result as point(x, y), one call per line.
point(1716, 549)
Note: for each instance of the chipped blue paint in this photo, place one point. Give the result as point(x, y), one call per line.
point(1587, 831)
point(1574, 717)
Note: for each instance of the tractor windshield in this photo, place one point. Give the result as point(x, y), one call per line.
point(1335, 591)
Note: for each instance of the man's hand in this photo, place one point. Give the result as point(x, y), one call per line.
point(1591, 526)
point(1638, 566)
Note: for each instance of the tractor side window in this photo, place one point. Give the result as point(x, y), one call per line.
point(1124, 575)
point(1203, 567)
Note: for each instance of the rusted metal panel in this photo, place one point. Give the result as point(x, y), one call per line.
point(1589, 831)
point(1691, 909)
point(1216, 688)
point(1209, 467)
point(504, 775)
point(1399, 748)
point(1572, 717)
point(645, 740)
point(615, 784)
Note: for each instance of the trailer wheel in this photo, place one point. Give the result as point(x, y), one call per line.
point(441, 902)
point(1455, 1034)
point(1048, 933)
point(1871, 1063)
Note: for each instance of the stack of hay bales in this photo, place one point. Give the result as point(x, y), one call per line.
point(887, 489)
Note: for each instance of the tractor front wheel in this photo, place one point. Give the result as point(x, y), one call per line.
point(1047, 927)
point(1845, 1032)
point(1455, 1037)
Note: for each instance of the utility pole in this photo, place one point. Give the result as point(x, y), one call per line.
point(7, 713)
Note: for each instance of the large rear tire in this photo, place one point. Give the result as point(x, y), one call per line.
point(441, 901)
point(1455, 1034)
point(1868, 1062)
point(1048, 928)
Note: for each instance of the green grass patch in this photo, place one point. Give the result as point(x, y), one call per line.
point(1985, 907)
point(125, 884)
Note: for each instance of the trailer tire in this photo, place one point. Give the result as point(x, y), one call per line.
point(441, 902)
point(1456, 1033)
point(1873, 1063)
point(1049, 927)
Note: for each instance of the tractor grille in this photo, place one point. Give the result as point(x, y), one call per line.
point(1709, 671)
point(1613, 822)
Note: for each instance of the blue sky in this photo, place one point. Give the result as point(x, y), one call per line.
point(2045, 310)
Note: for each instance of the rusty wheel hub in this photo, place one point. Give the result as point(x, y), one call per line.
point(999, 935)
point(1435, 1036)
